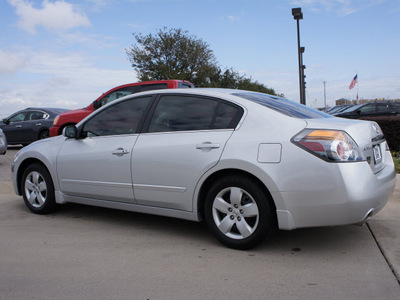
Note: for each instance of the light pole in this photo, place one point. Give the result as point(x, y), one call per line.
point(298, 15)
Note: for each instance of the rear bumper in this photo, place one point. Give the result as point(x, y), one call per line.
point(358, 194)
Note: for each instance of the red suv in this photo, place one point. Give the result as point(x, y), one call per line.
point(73, 117)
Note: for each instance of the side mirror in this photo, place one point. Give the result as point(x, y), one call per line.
point(70, 132)
point(96, 104)
point(6, 121)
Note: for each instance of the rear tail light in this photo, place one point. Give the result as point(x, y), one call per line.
point(330, 145)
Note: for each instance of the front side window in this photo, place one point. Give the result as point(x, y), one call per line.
point(367, 109)
point(18, 117)
point(121, 118)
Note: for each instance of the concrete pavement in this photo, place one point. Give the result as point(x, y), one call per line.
point(385, 227)
point(83, 252)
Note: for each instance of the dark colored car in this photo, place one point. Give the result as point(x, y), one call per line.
point(28, 125)
point(75, 116)
point(338, 108)
point(372, 109)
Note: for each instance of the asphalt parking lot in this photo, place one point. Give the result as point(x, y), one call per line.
point(83, 252)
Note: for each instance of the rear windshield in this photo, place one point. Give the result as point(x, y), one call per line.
point(284, 106)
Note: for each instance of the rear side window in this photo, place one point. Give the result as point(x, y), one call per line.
point(184, 85)
point(37, 115)
point(227, 116)
point(284, 106)
point(182, 113)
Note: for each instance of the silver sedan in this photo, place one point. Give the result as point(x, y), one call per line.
point(247, 163)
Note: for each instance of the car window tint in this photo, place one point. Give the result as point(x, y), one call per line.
point(184, 85)
point(383, 108)
point(227, 116)
point(121, 118)
point(367, 109)
point(18, 117)
point(131, 90)
point(284, 106)
point(178, 113)
point(37, 115)
point(150, 87)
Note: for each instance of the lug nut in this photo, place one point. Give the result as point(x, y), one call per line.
point(232, 217)
point(239, 219)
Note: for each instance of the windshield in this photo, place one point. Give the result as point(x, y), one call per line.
point(284, 106)
point(352, 108)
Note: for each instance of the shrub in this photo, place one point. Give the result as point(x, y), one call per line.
point(390, 126)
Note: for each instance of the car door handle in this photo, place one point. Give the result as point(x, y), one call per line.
point(18, 126)
point(38, 124)
point(207, 146)
point(120, 151)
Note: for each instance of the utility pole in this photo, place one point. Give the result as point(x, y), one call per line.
point(298, 15)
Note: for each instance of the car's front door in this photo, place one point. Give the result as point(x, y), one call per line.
point(98, 165)
point(17, 129)
point(186, 137)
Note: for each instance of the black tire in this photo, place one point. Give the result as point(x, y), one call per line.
point(239, 212)
point(38, 189)
point(44, 134)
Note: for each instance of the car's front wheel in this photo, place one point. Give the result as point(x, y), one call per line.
point(38, 189)
point(239, 212)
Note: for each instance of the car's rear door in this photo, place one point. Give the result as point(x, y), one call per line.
point(185, 137)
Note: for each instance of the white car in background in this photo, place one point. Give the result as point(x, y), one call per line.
point(3, 143)
point(247, 163)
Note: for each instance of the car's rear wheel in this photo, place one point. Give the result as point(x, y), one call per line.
point(44, 134)
point(239, 212)
point(38, 189)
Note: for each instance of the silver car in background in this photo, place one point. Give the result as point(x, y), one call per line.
point(3, 143)
point(247, 163)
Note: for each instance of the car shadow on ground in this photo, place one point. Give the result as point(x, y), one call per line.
point(307, 241)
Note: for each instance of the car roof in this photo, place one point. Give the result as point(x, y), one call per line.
point(246, 98)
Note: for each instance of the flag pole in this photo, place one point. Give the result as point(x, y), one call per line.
point(357, 89)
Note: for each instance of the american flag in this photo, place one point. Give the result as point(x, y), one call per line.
point(353, 82)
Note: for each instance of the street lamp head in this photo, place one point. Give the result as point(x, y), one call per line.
point(297, 14)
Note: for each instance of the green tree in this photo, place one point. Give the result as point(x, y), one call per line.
point(175, 54)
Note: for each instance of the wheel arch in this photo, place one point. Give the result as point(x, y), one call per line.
point(201, 197)
point(21, 169)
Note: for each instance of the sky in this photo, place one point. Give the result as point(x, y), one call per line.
point(66, 53)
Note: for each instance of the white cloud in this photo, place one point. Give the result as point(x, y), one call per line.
point(11, 62)
point(233, 18)
point(58, 16)
point(59, 80)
